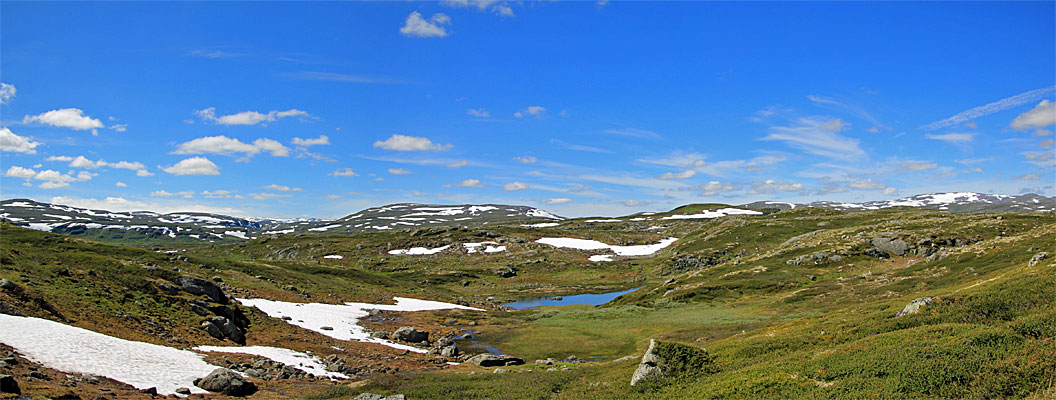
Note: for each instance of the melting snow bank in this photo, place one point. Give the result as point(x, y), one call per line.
point(343, 319)
point(76, 350)
point(304, 362)
point(472, 247)
point(722, 212)
point(417, 251)
point(584, 244)
point(542, 225)
point(334, 257)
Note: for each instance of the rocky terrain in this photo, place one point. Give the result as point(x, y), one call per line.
point(720, 302)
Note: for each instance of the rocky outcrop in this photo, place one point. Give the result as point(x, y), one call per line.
point(914, 306)
point(1037, 258)
point(372, 396)
point(666, 359)
point(410, 335)
point(897, 247)
point(494, 360)
point(223, 380)
point(202, 287)
point(876, 253)
point(8, 384)
point(505, 272)
point(649, 366)
point(223, 328)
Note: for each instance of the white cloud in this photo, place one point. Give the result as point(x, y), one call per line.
point(194, 166)
point(817, 136)
point(399, 171)
point(534, 111)
point(771, 186)
point(120, 184)
point(558, 200)
point(20, 172)
point(53, 185)
point(321, 140)
point(7, 92)
point(526, 159)
point(226, 145)
point(953, 138)
point(1028, 177)
point(122, 204)
point(417, 26)
point(678, 175)
point(509, 187)
point(714, 187)
point(472, 183)
point(248, 117)
point(991, 108)
point(495, 6)
point(83, 162)
point(399, 142)
point(9, 141)
point(144, 172)
point(344, 172)
point(482, 113)
point(161, 193)
point(282, 188)
point(457, 164)
point(265, 196)
point(867, 184)
point(1042, 115)
point(119, 127)
point(913, 165)
point(72, 118)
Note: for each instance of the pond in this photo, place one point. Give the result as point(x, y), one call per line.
point(588, 299)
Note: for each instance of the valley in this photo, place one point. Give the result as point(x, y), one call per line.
point(755, 300)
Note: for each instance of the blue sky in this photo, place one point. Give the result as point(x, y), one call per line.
point(581, 108)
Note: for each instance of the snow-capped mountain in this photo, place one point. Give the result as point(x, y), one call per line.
point(952, 202)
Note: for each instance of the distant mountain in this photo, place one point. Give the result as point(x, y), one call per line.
point(952, 202)
point(138, 226)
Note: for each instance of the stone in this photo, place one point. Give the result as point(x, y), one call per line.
point(1037, 258)
point(914, 306)
point(7, 284)
point(894, 246)
point(212, 330)
point(410, 335)
point(877, 253)
point(184, 391)
point(152, 391)
point(505, 272)
point(8, 384)
point(379, 335)
point(39, 375)
point(223, 380)
point(494, 360)
point(202, 287)
point(372, 396)
point(649, 366)
point(449, 351)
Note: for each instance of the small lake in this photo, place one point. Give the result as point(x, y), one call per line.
point(588, 299)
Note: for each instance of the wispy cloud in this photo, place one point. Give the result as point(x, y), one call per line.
point(214, 53)
point(1000, 105)
point(1042, 115)
point(836, 105)
point(346, 78)
point(632, 132)
point(958, 139)
point(818, 136)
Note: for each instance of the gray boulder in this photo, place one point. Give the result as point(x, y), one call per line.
point(8, 384)
point(897, 247)
point(649, 366)
point(410, 335)
point(223, 380)
point(494, 360)
point(505, 272)
point(202, 287)
point(914, 306)
point(877, 253)
point(372, 396)
point(1037, 258)
point(7, 284)
point(223, 328)
point(449, 351)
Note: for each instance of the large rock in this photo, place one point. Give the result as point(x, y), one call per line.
point(410, 335)
point(877, 253)
point(914, 306)
point(200, 286)
point(8, 384)
point(649, 367)
point(1037, 258)
point(666, 359)
point(223, 380)
point(494, 360)
point(897, 247)
point(7, 285)
point(372, 396)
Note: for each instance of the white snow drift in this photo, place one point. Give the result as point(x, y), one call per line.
point(722, 212)
point(586, 244)
point(417, 251)
point(343, 319)
point(81, 351)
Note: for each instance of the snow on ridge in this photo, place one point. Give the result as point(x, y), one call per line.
point(324, 228)
point(535, 212)
point(542, 225)
point(304, 362)
point(587, 244)
point(417, 251)
point(343, 319)
point(334, 256)
point(707, 214)
point(81, 351)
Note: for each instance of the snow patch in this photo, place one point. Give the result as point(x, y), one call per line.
point(417, 251)
point(722, 212)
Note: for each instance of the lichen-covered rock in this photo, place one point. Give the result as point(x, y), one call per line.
point(649, 367)
point(410, 335)
point(203, 287)
point(1037, 258)
point(877, 253)
point(672, 360)
point(914, 306)
point(897, 247)
point(494, 360)
point(223, 380)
